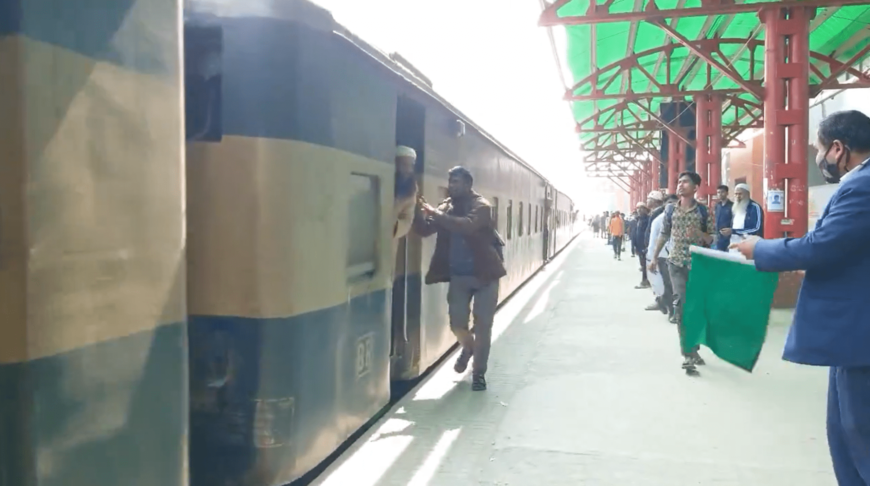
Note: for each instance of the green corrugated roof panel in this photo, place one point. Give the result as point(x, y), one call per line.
point(838, 30)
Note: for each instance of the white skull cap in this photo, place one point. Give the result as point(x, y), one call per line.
point(403, 151)
point(656, 196)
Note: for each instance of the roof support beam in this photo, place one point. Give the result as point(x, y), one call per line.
point(836, 72)
point(550, 17)
point(665, 125)
point(654, 126)
point(689, 93)
point(652, 152)
point(694, 49)
point(668, 92)
point(622, 185)
point(607, 74)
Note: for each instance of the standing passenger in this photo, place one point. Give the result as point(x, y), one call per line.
point(468, 255)
point(831, 325)
point(641, 223)
point(724, 218)
point(687, 223)
point(617, 232)
point(666, 301)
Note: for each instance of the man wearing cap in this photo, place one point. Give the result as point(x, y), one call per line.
point(406, 191)
point(748, 218)
point(665, 300)
point(641, 223)
point(631, 226)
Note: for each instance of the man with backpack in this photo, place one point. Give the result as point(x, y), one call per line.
point(686, 223)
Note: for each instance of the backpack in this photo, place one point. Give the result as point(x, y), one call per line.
point(669, 215)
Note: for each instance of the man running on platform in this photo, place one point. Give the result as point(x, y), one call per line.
point(468, 255)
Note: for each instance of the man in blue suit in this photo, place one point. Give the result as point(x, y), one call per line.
point(831, 322)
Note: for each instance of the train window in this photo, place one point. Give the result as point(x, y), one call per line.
point(537, 227)
point(203, 68)
point(510, 219)
point(529, 220)
point(364, 196)
point(520, 220)
point(495, 212)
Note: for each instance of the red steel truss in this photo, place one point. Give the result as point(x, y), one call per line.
point(600, 14)
point(621, 140)
point(597, 83)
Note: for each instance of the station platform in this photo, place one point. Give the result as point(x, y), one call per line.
point(585, 388)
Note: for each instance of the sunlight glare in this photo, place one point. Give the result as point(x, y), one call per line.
point(433, 460)
point(367, 465)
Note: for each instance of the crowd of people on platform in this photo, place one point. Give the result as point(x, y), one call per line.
point(831, 326)
point(660, 231)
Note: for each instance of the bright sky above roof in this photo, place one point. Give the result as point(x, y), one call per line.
point(501, 74)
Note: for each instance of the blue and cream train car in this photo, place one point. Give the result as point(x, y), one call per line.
point(298, 317)
point(93, 357)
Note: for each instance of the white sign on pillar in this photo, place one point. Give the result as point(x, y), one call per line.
point(776, 201)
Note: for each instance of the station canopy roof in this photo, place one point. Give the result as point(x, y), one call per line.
point(629, 56)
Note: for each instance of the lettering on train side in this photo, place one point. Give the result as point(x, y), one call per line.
point(365, 354)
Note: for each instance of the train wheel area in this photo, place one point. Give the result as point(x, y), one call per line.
point(585, 387)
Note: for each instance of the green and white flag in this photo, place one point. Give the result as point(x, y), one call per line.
point(727, 306)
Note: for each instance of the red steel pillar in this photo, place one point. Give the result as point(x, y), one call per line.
point(641, 181)
point(638, 193)
point(715, 145)
point(786, 120)
point(673, 163)
point(655, 171)
point(647, 177)
point(681, 155)
point(702, 140)
point(708, 134)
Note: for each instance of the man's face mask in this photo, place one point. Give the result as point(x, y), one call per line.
point(831, 170)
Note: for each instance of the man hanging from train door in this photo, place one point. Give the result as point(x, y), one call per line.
point(406, 191)
point(404, 196)
point(468, 255)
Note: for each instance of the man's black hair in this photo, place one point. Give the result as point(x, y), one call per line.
point(696, 179)
point(723, 187)
point(850, 127)
point(461, 172)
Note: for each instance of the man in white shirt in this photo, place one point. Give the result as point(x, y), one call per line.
point(666, 298)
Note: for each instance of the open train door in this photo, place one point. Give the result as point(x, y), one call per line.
point(407, 276)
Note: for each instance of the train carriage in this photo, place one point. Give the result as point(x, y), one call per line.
point(299, 318)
